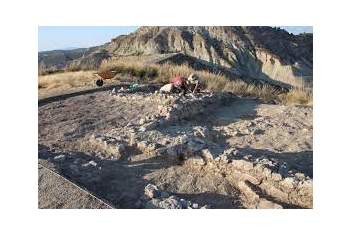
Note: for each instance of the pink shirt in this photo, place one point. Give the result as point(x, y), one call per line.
point(178, 80)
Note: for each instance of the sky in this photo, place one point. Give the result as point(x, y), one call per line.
point(64, 37)
point(297, 29)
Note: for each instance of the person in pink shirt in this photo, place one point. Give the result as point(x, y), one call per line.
point(179, 83)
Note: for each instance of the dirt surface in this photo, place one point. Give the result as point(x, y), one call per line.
point(56, 192)
point(211, 149)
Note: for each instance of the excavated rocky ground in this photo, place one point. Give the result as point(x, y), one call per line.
point(143, 149)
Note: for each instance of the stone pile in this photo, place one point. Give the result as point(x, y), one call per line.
point(156, 198)
point(113, 147)
point(196, 146)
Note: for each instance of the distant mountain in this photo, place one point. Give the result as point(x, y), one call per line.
point(63, 58)
point(266, 53)
point(69, 48)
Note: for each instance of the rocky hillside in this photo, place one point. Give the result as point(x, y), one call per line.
point(255, 52)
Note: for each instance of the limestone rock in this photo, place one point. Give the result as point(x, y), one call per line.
point(289, 182)
point(142, 121)
point(208, 154)
point(151, 191)
point(149, 126)
point(196, 160)
point(202, 132)
point(242, 164)
point(276, 177)
point(59, 158)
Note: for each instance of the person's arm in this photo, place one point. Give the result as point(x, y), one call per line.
point(195, 88)
point(184, 83)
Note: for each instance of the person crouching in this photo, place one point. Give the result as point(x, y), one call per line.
point(193, 83)
point(180, 84)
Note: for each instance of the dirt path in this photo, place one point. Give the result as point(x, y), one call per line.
point(57, 192)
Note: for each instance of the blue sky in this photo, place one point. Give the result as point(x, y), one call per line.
point(297, 29)
point(61, 37)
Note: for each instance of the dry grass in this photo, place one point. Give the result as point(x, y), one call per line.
point(64, 81)
point(297, 96)
point(215, 82)
point(161, 73)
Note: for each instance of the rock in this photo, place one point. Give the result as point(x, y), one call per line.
point(276, 177)
point(129, 125)
point(223, 158)
point(153, 146)
point(151, 191)
point(142, 121)
point(120, 148)
point(289, 182)
point(207, 154)
point(202, 132)
point(228, 153)
point(196, 160)
point(169, 203)
point(142, 145)
point(92, 163)
point(251, 195)
point(267, 172)
point(59, 158)
point(266, 204)
point(265, 161)
point(306, 183)
point(149, 126)
point(166, 88)
point(185, 204)
point(195, 206)
point(250, 124)
point(242, 164)
point(300, 176)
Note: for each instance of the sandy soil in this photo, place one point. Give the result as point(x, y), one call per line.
point(56, 192)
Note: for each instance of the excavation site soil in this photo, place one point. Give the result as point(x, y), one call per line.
point(143, 149)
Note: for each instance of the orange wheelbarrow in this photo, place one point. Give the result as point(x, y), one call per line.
point(106, 75)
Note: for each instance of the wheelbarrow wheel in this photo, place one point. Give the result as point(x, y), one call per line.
point(99, 82)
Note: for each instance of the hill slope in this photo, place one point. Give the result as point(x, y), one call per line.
point(256, 52)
